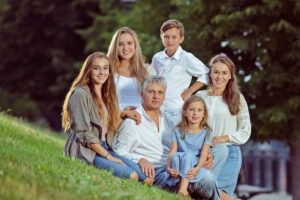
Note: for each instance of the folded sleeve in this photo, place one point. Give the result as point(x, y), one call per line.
point(243, 132)
point(196, 68)
point(174, 136)
point(126, 141)
point(81, 123)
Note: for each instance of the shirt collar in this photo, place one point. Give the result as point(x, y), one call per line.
point(176, 54)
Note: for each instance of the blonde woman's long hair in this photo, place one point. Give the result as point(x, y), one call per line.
point(231, 94)
point(108, 93)
point(138, 69)
point(184, 120)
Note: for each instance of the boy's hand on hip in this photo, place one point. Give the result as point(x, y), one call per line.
point(186, 94)
point(147, 167)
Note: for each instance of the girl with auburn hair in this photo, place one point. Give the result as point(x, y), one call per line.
point(229, 118)
point(128, 67)
point(191, 141)
point(90, 113)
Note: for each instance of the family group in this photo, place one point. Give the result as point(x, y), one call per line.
point(144, 123)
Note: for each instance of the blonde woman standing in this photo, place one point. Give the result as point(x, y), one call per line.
point(128, 67)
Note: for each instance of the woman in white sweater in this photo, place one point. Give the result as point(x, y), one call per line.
point(228, 116)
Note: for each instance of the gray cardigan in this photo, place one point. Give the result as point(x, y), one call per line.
point(85, 126)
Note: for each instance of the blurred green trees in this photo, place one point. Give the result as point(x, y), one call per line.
point(40, 50)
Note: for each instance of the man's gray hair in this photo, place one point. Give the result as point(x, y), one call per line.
point(154, 79)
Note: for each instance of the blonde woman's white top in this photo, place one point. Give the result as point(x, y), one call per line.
point(237, 127)
point(128, 91)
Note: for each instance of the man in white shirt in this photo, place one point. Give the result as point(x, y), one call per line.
point(148, 143)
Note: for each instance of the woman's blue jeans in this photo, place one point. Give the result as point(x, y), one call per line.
point(226, 166)
point(118, 169)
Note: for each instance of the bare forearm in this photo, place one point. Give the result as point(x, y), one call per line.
point(196, 86)
point(203, 156)
point(99, 149)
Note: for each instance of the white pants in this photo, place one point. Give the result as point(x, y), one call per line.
point(173, 116)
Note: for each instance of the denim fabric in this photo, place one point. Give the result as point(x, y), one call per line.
point(183, 162)
point(220, 152)
point(205, 188)
point(227, 175)
point(118, 170)
point(161, 177)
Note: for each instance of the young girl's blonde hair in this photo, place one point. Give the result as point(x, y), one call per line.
point(184, 121)
point(108, 93)
point(138, 69)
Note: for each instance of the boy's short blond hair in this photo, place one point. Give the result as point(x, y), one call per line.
point(171, 23)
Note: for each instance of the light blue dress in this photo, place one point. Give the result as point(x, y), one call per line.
point(188, 154)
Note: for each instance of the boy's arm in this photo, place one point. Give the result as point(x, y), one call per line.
point(197, 69)
point(188, 92)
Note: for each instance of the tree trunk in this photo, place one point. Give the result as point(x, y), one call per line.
point(295, 162)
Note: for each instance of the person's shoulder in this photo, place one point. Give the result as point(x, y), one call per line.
point(241, 95)
point(242, 99)
point(188, 55)
point(202, 93)
point(127, 124)
point(157, 55)
point(177, 129)
point(81, 92)
point(130, 122)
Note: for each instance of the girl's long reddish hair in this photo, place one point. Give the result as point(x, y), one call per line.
point(184, 121)
point(108, 93)
point(231, 95)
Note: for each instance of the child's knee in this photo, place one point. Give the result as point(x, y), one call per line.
point(134, 176)
point(220, 150)
point(188, 156)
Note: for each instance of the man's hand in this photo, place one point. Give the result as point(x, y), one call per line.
point(192, 173)
point(173, 172)
point(220, 139)
point(186, 94)
point(147, 167)
point(209, 162)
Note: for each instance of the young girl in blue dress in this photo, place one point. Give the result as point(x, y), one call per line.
point(191, 141)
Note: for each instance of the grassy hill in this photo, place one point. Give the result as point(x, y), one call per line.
point(32, 166)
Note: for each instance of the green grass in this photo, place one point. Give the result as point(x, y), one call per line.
point(32, 166)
